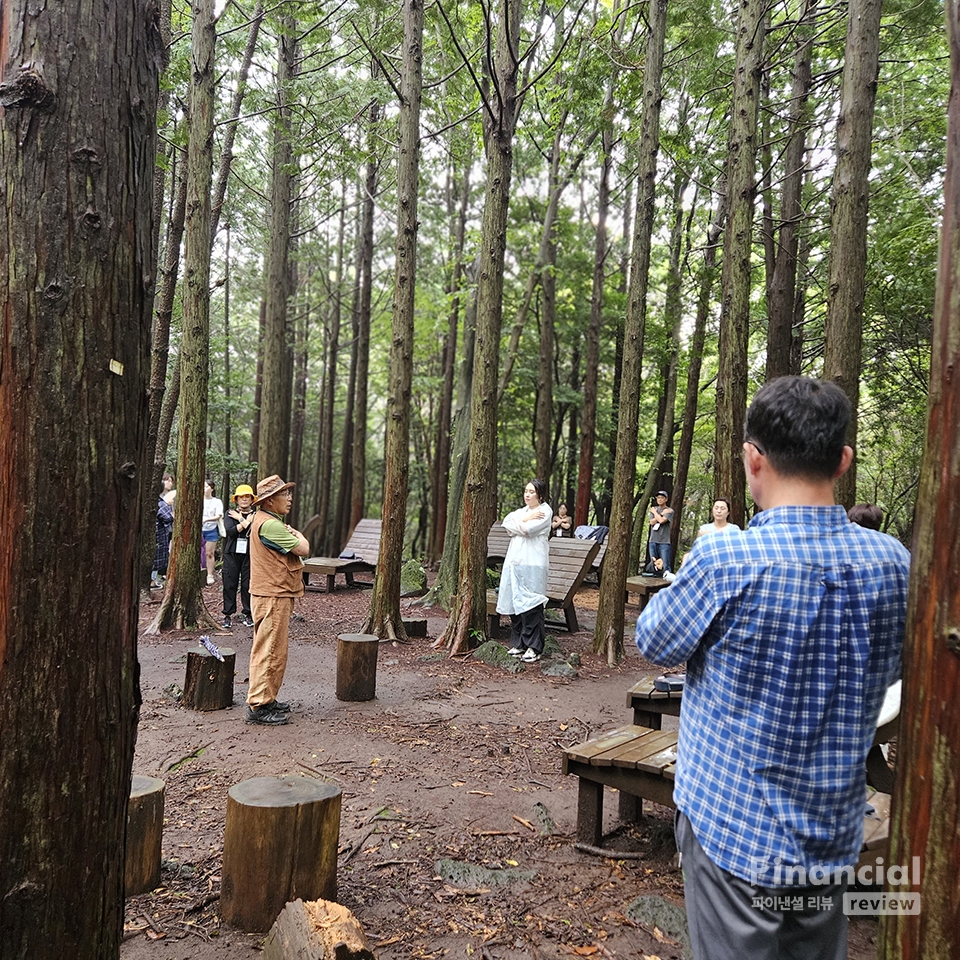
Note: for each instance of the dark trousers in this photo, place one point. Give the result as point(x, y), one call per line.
point(236, 572)
point(526, 629)
point(729, 919)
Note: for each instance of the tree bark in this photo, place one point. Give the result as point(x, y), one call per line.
point(608, 636)
point(182, 606)
point(441, 472)
point(273, 449)
point(588, 416)
point(735, 280)
point(708, 274)
point(77, 261)
point(359, 471)
point(467, 621)
point(849, 202)
point(384, 619)
point(926, 805)
point(782, 286)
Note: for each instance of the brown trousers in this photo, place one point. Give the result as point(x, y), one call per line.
point(268, 655)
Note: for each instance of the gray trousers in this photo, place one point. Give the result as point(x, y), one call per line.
point(730, 919)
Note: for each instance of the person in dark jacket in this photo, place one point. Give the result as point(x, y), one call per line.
point(236, 557)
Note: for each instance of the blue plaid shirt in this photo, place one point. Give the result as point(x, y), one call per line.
point(791, 632)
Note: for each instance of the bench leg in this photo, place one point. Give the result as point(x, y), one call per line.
point(493, 626)
point(590, 812)
point(331, 582)
point(631, 808)
point(646, 718)
point(570, 613)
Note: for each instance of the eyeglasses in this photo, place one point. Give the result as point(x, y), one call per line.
point(756, 446)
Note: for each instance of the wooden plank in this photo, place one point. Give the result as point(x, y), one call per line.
point(658, 762)
point(632, 754)
point(588, 750)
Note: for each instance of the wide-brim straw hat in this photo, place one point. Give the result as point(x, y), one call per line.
point(270, 487)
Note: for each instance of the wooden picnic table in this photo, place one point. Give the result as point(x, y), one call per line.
point(646, 587)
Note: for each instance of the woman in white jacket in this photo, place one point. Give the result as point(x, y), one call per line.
point(523, 582)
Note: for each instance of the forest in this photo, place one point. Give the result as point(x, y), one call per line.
point(304, 228)
point(411, 255)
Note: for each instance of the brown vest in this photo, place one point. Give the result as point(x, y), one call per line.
point(272, 574)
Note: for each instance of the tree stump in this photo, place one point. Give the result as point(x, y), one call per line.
point(317, 930)
point(280, 843)
point(357, 666)
point(141, 871)
point(415, 628)
point(209, 682)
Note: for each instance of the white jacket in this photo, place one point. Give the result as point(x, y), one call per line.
point(523, 582)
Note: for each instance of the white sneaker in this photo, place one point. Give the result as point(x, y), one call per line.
point(515, 651)
point(669, 577)
point(530, 656)
point(209, 581)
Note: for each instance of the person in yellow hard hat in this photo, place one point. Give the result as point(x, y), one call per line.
point(236, 557)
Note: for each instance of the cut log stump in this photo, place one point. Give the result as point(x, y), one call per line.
point(141, 871)
point(357, 666)
point(209, 682)
point(415, 628)
point(280, 843)
point(317, 930)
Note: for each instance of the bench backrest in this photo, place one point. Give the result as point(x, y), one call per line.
point(570, 561)
point(497, 542)
point(365, 540)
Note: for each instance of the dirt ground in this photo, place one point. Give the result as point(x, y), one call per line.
point(454, 759)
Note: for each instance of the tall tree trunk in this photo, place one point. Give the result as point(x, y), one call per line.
point(704, 298)
point(384, 619)
point(228, 416)
point(737, 251)
point(441, 471)
point(274, 408)
point(77, 262)
point(325, 473)
point(469, 613)
point(543, 418)
point(926, 805)
point(781, 290)
point(588, 417)
point(182, 606)
point(359, 471)
point(608, 636)
point(673, 321)
point(849, 201)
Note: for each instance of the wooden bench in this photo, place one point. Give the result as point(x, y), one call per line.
point(646, 587)
point(497, 542)
point(640, 762)
point(570, 561)
point(649, 704)
point(364, 544)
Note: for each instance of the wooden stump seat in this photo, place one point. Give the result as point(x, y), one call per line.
point(141, 867)
point(357, 666)
point(209, 682)
point(280, 843)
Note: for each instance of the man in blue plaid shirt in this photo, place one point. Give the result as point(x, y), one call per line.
point(791, 634)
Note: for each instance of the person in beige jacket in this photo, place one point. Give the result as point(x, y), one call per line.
point(276, 580)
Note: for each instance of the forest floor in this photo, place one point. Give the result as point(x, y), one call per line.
point(454, 760)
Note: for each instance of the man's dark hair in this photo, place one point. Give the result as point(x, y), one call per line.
point(867, 515)
point(800, 425)
point(541, 489)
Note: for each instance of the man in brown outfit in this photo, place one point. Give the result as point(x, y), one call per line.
point(276, 580)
